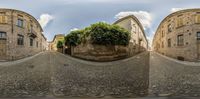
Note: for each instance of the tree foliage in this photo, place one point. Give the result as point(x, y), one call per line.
point(60, 44)
point(105, 34)
point(74, 38)
point(100, 33)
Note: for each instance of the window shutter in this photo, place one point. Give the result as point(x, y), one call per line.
point(4, 19)
point(0, 19)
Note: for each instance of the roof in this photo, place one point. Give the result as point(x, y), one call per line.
point(136, 19)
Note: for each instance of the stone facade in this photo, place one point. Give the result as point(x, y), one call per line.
point(138, 43)
point(53, 44)
point(178, 35)
point(20, 35)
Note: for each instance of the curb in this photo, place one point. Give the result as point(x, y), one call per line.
point(177, 61)
point(20, 60)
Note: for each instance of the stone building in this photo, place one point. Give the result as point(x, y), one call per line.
point(53, 44)
point(178, 35)
point(138, 42)
point(20, 35)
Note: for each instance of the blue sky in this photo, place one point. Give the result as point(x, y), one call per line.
point(61, 16)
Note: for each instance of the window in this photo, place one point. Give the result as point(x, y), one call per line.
point(20, 22)
point(2, 34)
point(163, 34)
point(179, 22)
point(197, 18)
point(31, 41)
point(37, 44)
point(3, 19)
point(169, 42)
point(180, 40)
point(162, 45)
point(134, 28)
point(20, 39)
point(198, 35)
point(169, 28)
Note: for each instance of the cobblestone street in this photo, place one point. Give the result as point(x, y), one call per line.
point(52, 75)
point(58, 75)
point(169, 78)
point(27, 78)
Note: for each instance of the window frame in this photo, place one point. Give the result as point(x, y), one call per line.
point(169, 42)
point(20, 39)
point(30, 41)
point(20, 22)
point(180, 40)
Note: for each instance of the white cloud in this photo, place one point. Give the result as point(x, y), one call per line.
point(45, 19)
point(176, 9)
point(150, 37)
point(143, 16)
point(74, 29)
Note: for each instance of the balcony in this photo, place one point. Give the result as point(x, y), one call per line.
point(32, 33)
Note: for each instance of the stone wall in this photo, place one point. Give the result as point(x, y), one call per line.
point(96, 52)
point(13, 51)
point(189, 28)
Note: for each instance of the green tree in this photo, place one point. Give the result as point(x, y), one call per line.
point(74, 38)
point(106, 34)
point(100, 33)
point(60, 44)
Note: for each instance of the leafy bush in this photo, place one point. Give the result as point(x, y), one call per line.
point(74, 38)
point(105, 34)
point(59, 44)
point(100, 33)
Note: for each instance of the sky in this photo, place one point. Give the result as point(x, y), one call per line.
point(63, 16)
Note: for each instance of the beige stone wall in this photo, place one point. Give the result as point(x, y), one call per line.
point(138, 37)
point(188, 28)
point(13, 50)
point(95, 52)
point(53, 44)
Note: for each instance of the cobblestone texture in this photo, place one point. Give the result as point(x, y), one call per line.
point(124, 78)
point(62, 76)
point(30, 78)
point(169, 78)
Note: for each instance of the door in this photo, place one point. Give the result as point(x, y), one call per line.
point(2, 49)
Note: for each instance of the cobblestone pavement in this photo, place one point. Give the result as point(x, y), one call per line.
point(29, 78)
point(123, 78)
point(54, 74)
point(169, 78)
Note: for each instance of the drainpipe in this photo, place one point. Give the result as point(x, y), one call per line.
point(12, 31)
